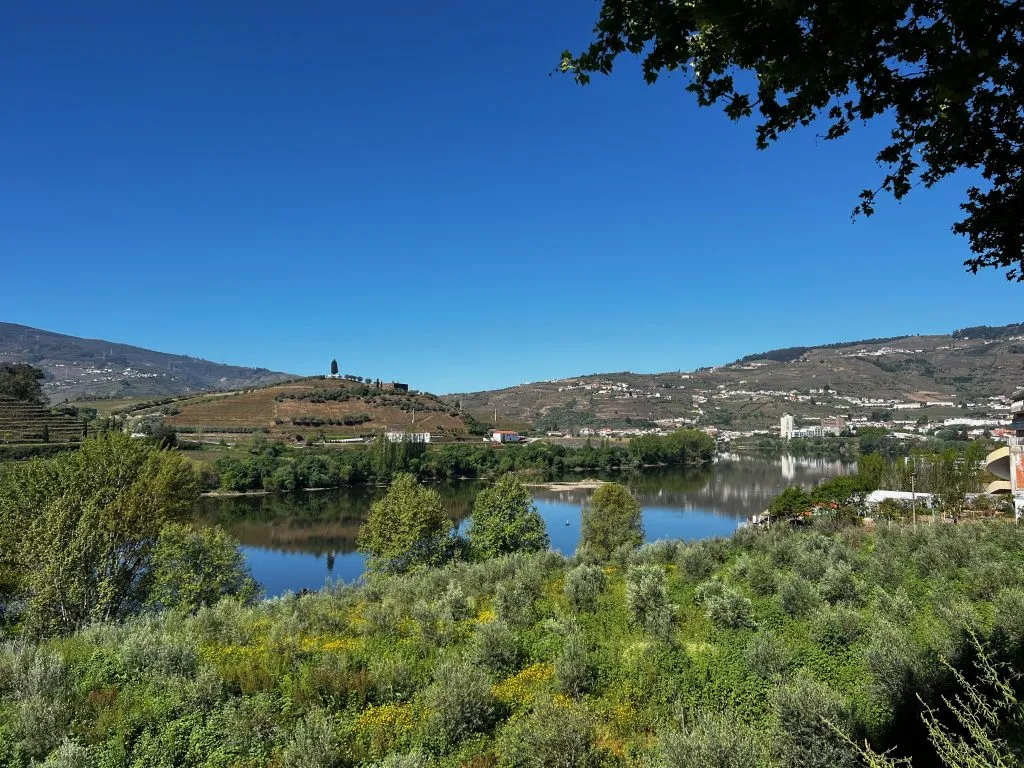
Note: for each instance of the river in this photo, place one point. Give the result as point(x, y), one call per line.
point(304, 540)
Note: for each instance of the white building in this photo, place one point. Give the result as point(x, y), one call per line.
point(787, 426)
point(401, 436)
point(505, 436)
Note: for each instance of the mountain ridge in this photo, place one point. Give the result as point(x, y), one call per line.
point(964, 368)
point(80, 369)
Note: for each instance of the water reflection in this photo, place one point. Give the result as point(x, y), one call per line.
point(302, 540)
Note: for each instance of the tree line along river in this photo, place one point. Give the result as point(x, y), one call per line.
point(304, 540)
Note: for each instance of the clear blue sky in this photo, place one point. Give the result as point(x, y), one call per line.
point(403, 186)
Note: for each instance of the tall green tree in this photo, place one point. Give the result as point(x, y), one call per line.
point(505, 520)
point(192, 567)
point(406, 528)
point(612, 520)
point(78, 530)
point(20, 381)
point(334, 367)
point(944, 74)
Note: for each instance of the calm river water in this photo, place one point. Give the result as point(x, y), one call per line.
point(299, 540)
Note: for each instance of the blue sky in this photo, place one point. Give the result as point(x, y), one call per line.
point(405, 187)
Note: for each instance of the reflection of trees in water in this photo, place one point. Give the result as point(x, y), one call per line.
point(327, 522)
point(321, 522)
point(733, 487)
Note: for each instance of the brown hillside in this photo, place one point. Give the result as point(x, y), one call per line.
point(313, 405)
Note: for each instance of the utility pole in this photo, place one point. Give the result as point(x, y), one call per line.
point(913, 495)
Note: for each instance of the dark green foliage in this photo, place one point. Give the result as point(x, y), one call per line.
point(791, 502)
point(612, 520)
point(22, 382)
point(836, 628)
point(945, 74)
point(761, 577)
point(688, 447)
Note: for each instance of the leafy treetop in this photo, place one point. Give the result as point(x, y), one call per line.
point(505, 521)
point(20, 381)
point(947, 73)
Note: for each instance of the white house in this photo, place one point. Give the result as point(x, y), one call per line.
point(401, 436)
point(505, 436)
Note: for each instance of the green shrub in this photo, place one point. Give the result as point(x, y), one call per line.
point(837, 627)
point(497, 648)
point(730, 610)
point(313, 743)
point(70, 754)
point(552, 736)
point(768, 657)
point(504, 520)
point(839, 585)
point(796, 596)
point(647, 601)
point(194, 567)
point(612, 520)
point(712, 741)
point(697, 561)
point(515, 601)
point(460, 701)
point(574, 667)
point(898, 667)
point(708, 590)
point(808, 715)
point(761, 577)
point(583, 584)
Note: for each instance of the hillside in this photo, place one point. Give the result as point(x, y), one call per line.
point(84, 369)
point(337, 407)
point(965, 367)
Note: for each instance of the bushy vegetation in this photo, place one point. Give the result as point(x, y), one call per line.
point(100, 534)
point(662, 656)
point(275, 466)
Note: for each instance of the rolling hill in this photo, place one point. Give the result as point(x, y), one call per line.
point(89, 369)
point(336, 407)
point(964, 367)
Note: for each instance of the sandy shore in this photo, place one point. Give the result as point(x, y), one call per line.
point(570, 485)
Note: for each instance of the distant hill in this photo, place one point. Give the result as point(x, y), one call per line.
point(965, 366)
point(90, 369)
point(307, 407)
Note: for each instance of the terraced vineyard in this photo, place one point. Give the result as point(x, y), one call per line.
point(336, 407)
point(29, 423)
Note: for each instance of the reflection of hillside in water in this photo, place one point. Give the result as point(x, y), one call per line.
point(322, 522)
point(734, 487)
point(327, 522)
